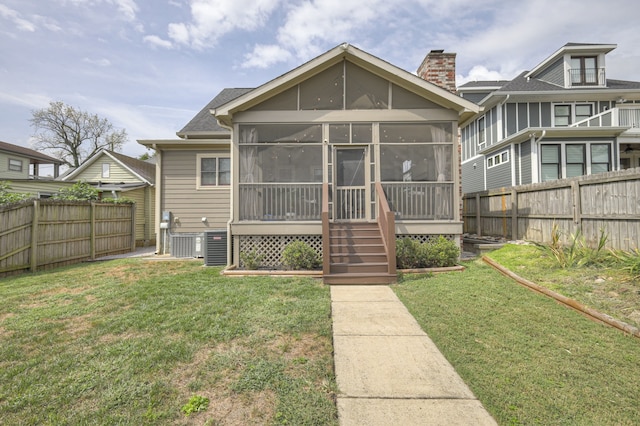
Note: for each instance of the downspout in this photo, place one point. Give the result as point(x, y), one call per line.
point(159, 199)
point(231, 192)
point(534, 158)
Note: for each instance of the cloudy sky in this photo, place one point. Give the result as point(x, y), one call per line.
point(149, 65)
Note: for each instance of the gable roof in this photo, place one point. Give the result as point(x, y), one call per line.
point(580, 48)
point(145, 171)
point(204, 124)
point(405, 79)
point(29, 153)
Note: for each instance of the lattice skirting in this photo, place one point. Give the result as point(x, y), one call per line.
point(272, 246)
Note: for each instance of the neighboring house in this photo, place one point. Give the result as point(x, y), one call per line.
point(29, 171)
point(256, 163)
point(18, 162)
point(119, 176)
point(563, 118)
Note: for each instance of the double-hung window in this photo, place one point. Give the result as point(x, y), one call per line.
point(566, 114)
point(600, 158)
point(576, 160)
point(550, 162)
point(213, 171)
point(562, 115)
point(15, 165)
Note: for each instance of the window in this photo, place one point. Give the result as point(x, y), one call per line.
point(15, 165)
point(498, 159)
point(600, 158)
point(550, 162)
point(584, 71)
point(213, 171)
point(481, 133)
point(566, 114)
point(106, 170)
point(562, 115)
point(575, 160)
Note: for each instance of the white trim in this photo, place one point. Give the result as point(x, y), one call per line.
point(216, 186)
point(563, 155)
point(497, 159)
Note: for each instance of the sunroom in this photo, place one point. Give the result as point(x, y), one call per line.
point(346, 139)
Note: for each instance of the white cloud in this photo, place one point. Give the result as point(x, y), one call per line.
point(128, 8)
point(480, 73)
point(263, 56)
point(156, 41)
point(13, 16)
point(212, 19)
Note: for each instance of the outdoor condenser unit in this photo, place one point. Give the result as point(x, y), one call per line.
point(215, 247)
point(186, 245)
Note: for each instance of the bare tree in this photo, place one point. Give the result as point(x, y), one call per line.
point(73, 135)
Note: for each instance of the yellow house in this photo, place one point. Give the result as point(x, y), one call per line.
point(116, 175)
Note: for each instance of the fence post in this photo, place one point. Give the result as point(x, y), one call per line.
point(92, 239)
point(514, 214)
point(478, 224)
point(133, 226)
point(577, 207)
point(34, 236)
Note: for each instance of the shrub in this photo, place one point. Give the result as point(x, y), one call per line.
point(300, 255)
point(439, 253)
point(80, 191)
point(7, 197)
point(251, 260)
point(407, 256)
point(577, 253)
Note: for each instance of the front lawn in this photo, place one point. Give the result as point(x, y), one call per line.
point(132, 341)
point(528, 359)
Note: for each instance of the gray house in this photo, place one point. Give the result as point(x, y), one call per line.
point(344, 152)
point(562, 119)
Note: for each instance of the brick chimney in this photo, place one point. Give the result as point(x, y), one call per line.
point(439, 68)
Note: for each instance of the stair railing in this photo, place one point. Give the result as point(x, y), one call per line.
point(387, 225)
point(326, 249)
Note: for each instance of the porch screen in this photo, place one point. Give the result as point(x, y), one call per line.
point(416, 169)
point(280, 171)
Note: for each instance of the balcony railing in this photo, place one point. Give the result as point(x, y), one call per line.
point(587, 76)
point(420, 200)
point(623, 117)
point(280, 201)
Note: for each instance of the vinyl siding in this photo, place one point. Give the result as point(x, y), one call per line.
point(493, 126)
point(145, 211)
point(523, 115)
point(499, 176)
point(117, 173)
point(5, 173)
point(36, 187)
point(511, 119)
point(187, 203)
point(545, 114)
point(534, 114)
point(525, 162)
point(473, 179)
point(554, 73)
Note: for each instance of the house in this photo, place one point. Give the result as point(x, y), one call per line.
point(344, 152)
point(29, 171)
point(561, 119)
point(116, 175)
point(18, 162)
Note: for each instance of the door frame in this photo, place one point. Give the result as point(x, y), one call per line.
point(366, 216)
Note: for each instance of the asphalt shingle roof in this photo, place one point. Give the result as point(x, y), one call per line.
point(143, 168)
point(26, 152)
point(203, 121)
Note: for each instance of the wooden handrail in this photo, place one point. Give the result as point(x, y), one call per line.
point(387, 224)
point(326, 249)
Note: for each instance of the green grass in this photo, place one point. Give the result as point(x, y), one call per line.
point(132, 342)
point(609, 288)
point(528, 359)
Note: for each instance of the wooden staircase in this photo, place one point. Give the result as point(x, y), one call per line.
point(357, 255)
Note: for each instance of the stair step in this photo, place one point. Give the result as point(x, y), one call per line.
point(359, 257)
point(359, 278)
point(369, 267)
point(360, 249)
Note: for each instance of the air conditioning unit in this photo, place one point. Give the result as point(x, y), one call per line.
point(215, 247)
point(186, 245)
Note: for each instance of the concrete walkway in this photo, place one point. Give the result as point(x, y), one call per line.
point(388, 370)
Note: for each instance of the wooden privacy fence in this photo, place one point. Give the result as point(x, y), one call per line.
point(608, 202)
point(47, 233)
